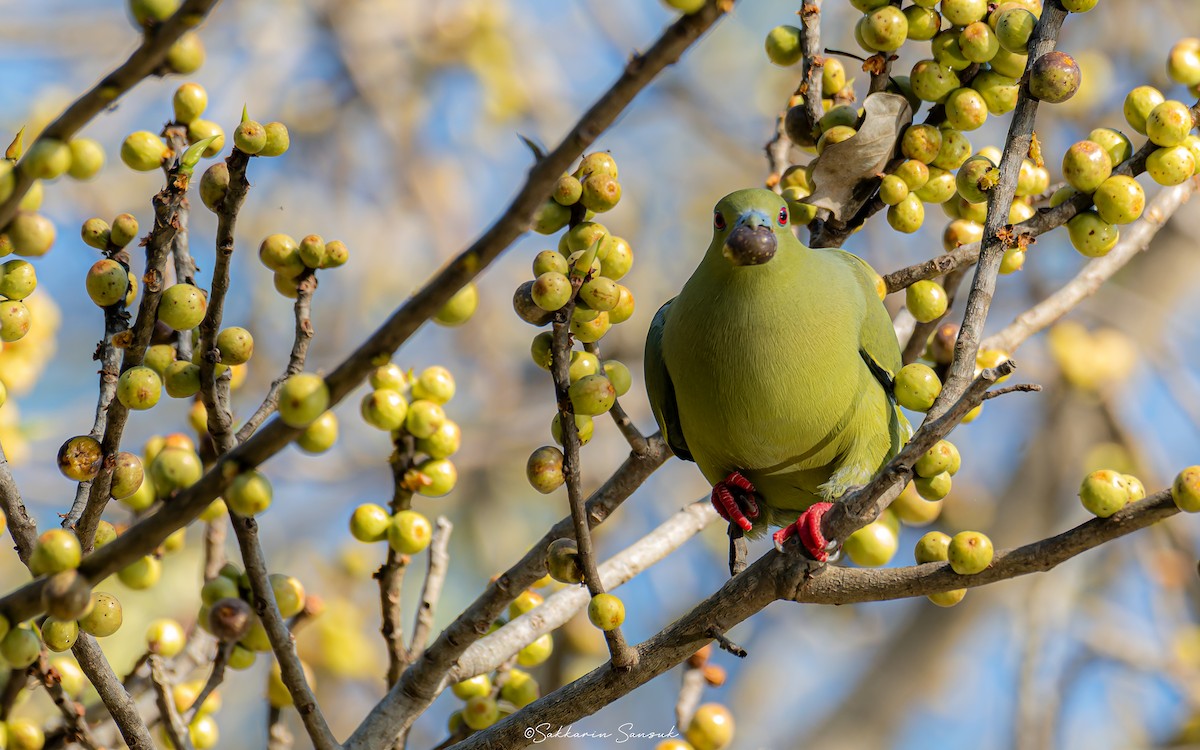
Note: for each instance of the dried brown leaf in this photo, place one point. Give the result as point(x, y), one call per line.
point(843, 167)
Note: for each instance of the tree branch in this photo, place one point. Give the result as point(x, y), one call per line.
point(120, 706)
point(791, 577)
point(171, 721)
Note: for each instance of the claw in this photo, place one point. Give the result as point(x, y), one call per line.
point(808, 528)
point(730, 507)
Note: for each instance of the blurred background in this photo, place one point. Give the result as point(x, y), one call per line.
point(404, 119)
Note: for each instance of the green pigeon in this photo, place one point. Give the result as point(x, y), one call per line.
point(772, 370)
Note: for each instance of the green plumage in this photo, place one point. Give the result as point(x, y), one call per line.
point(781, 370)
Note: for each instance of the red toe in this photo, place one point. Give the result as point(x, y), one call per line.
point(809, 527)
point(729, 507)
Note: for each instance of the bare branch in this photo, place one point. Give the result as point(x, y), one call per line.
point(20, 526)
point(391, 574)
point(792, 577)
point(176, 730)
point(75, 725)
point(431, 590)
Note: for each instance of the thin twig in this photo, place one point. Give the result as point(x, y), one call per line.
point(391, 574)
point(302, 309)
point(220, 420)
point(20, 526)
point(176, 729)
point(215, 678)
point(560, 362)
point(431, 590)
point(292, 674)
point(167, 204)
point(73, 714)
point(632, 435)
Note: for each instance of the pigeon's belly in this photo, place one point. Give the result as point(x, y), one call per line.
point(742, 407)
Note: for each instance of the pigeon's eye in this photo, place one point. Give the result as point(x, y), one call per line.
point(718, 220)
point(783, 217)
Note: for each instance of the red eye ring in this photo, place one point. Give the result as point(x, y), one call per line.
point(783, 216)
point(718, 220)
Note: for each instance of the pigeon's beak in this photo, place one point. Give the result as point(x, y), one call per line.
point(752, 241)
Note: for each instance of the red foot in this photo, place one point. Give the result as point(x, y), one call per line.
point(808, 528)
point(728, 505)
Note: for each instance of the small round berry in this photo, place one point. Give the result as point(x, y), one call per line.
point(95, 233)
point(384, 409)
point(87, 157)
point(174, 469)
point(1185, 490)
point(443, 443)
point(480, 712)
point(230, 618)
point(107, 282)
point(66, 595)
point(562, 561)
point(1171, 166)
point(711, 728)
point(526, 601)
point(165, 637)
point(1014, 27)
point(59, 635)
point(1119, 200)
point(249, 494)
point(56, 550)
point(30, 234)
point(143, 151)
point(1091, 235)
point(20, 647)
point(302, 399)
point(370, 523)
point(104, 619)
point(592, 395)
point(288, 592)
point(80, 458)
point(236, 345)
point(933, 488)
point(926, 300)
point(181, 379)
point(182, 306)
point(1139, 103)
point(250, 137)
point(459, 308)
point(1086, 165)
point(520, 689)
point(537, 652)
point(872, 546)
point(471, 687)
point(409, 532)
point(434, 384)
point(319, 436)
point(969, 552)
point(424, 417)
point(190, 101)
point(551, 291)
point(389, 376)
point(142, 573)
point(933, 547)
point(916, 387)
point(583, 425)
point(943, 456)
point(908, 215)
point(139, 388)
point(893, 189)
point(438, 477)
point(783, 46)
point(606, 612)
point(1054, 77)
point(544, 469)
point(186, 55)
